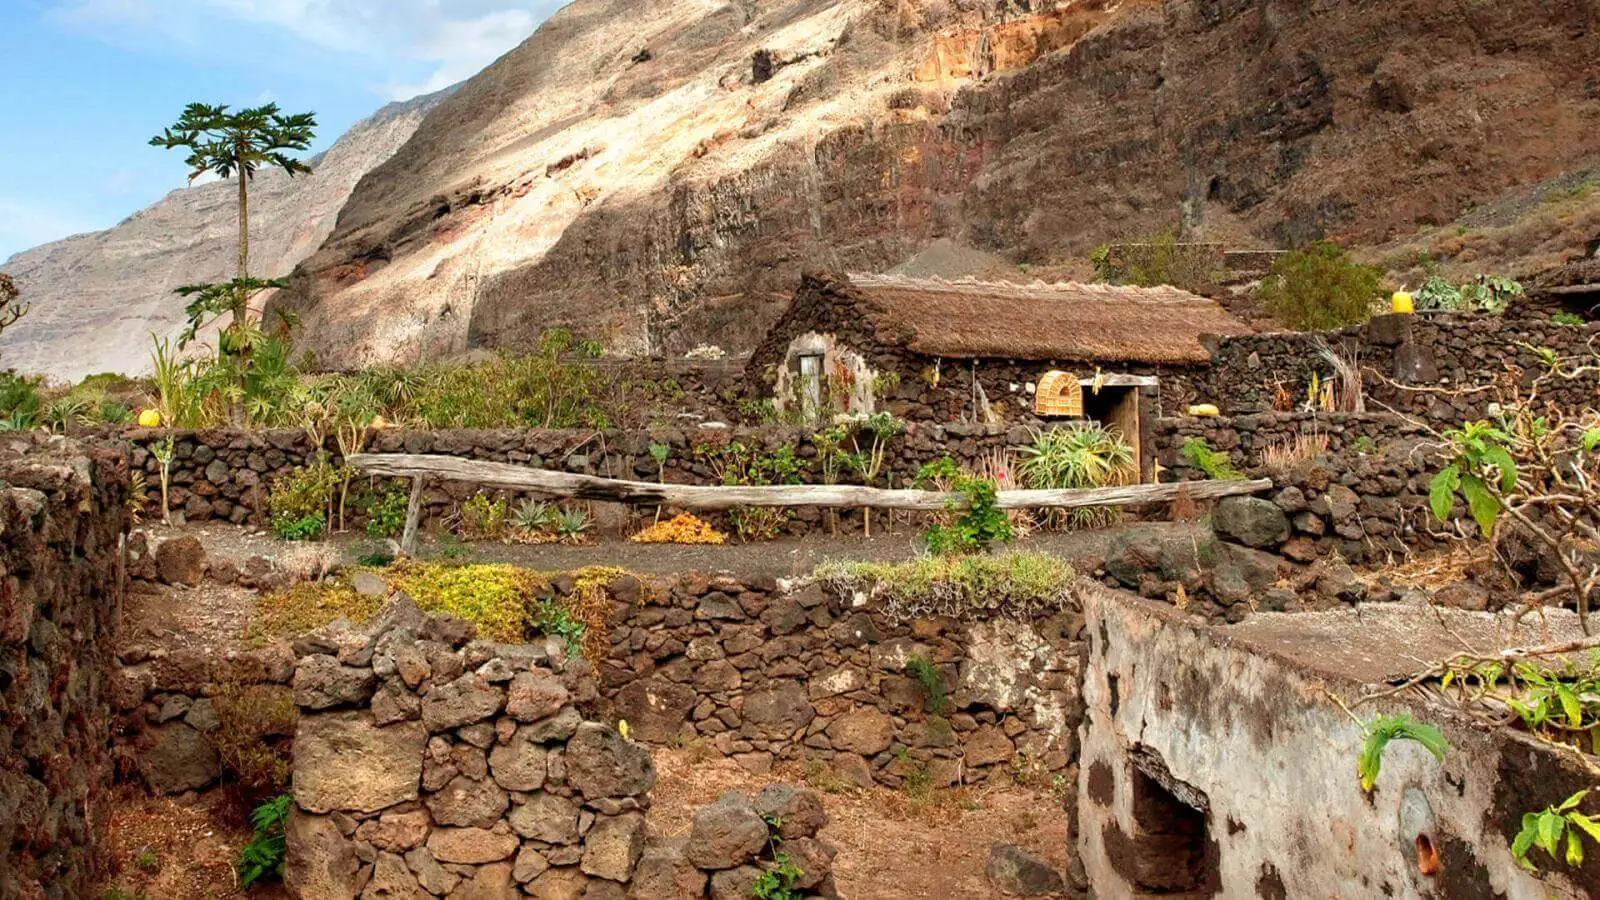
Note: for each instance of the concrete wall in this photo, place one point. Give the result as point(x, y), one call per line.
point(1233, 722)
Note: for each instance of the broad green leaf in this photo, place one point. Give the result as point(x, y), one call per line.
point(1574, 711)
point(1482, 504)
point(1591, 440)
point(1590, 826)
point(1574, 849)
point(1525, 838)
point(1442, 492)
point(1573, 801)
point(1501, 460)
point(1551, 827)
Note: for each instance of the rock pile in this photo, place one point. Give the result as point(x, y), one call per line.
point(740, 841)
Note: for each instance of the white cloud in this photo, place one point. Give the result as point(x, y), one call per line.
point(450, 40)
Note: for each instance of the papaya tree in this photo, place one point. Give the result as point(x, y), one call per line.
point(236, 144)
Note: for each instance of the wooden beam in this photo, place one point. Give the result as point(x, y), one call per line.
point(588, 487)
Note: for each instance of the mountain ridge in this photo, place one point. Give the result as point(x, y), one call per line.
point(84, 316)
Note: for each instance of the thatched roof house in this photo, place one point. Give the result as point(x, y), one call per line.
point(973, 350)
point(1060, 322)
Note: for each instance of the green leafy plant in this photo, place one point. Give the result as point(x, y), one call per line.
point(20, 402)
point(738, 463)
point(974, 523)
point(1438, 294)
point(483, 518)
point(927, 675)
point(1558, 830)
point(1154, 261)
point(1018, 583)
point(1091, 455)
point(552, 618)
point(1492, 294)
point(263, 856)
point(163, 451)
point(1481, 467)
point(1319, 288)
point(778, 880)
point(1569, 319)
point(386, 514)
point(535, 517)
point(572, 524)
point(1382, 732)
point(297, 506)
point(1216, 464)
point(870, 437)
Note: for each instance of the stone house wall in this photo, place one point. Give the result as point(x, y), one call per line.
point(62, 516)
point(1217, 762)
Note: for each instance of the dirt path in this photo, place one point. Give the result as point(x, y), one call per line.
point(891, 846)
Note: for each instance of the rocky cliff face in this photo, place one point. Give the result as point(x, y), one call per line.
point(659, 172)
point(97, 298)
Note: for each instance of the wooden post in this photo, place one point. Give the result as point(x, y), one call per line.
point(408, 537)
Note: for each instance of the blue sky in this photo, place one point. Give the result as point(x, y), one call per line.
point(86, 83)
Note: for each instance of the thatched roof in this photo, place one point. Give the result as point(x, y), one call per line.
point(1038, 321)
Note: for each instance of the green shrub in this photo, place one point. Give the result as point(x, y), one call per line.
point(1217, 465)
point(1156, 261)
point(20, 403)
point(297, 506)
point(263, 856)
point(1017, 584)
point(499, 599)
point(1319, 288)
point(482, 518)
point(1079, 457)
point(738, 463)
point(973, 524)
point(386, 513)
point(1569, 319)
point(306, 606)
point(255, 723)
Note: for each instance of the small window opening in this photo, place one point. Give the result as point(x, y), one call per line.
point(1176, 852)
point(811, 386)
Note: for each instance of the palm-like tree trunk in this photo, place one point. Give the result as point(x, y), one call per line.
point(240, 309)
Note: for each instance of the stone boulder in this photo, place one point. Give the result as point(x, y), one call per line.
point(865, 731)
point(466, 802)
point(798, 811)
point(602, 763)
point(463, 701)
point(546, 817)
point(613, 846)
point(1250, 521)
point(175, 758)
point(534, 696)
point(344, 761)
point(181, 561)
point(655, 709)
point(728, 833)
point(1014, 871)
point(665, 873)
point(321, 682)
point(319, 863)
point(777, 713)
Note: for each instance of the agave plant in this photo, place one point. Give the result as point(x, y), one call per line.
point(533, 516)
point(1085, 456)
point(571, 524)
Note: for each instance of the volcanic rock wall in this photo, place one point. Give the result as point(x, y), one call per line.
point(672, 197)
point(62, 517)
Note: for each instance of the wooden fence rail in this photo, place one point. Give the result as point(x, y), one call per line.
point(424, 468)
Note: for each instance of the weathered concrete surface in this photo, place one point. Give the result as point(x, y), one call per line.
point(1236, 726)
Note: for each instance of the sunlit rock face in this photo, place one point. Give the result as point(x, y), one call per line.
point(658, 173)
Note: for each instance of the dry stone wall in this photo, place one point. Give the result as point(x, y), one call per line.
point(62, 516)
point(226, 474)
point(762, 674)
point(428, 763)
point(1417, 363)
point(1363, 498)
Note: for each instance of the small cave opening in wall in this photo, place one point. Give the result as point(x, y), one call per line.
point(1176, 853)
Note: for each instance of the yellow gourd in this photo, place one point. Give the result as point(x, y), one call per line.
point(1402, 303)
point(149, 418)
point(1205, 411)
